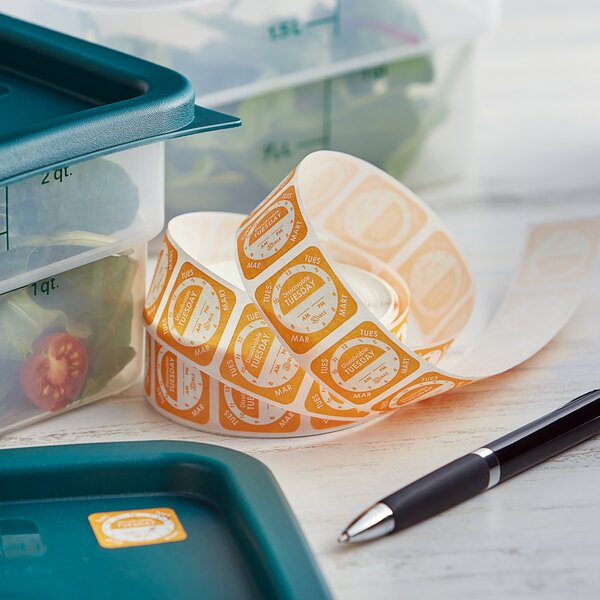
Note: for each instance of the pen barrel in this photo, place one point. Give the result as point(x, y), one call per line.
point(450, 485)
point(553, 433)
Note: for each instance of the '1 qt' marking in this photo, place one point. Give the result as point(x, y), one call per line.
point(45, 286)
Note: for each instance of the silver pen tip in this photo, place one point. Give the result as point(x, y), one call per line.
point(344, 538)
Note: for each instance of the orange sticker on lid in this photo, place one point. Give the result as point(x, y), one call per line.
point(142, 527)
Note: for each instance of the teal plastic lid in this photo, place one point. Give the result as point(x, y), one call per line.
point(227, 531)
point(64, 100)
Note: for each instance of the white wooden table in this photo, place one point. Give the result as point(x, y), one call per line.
point(538, 535)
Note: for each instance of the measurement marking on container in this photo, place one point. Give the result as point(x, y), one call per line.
point(319, 141)
point(276, 150)
point(380, 72)
point(324, 140)
point(334, 19)
point(284, 30)
point(327, 112)
point(289, 28)
point(44, 286)
point(5, 231)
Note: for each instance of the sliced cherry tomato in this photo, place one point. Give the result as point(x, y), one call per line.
point(55, 373)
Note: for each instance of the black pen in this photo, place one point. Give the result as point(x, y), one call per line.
point(480, 470)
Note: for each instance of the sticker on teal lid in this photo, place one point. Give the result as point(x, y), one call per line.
point(142, 527)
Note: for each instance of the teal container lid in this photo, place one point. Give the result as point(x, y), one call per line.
point(238, 538)
point(64, 100)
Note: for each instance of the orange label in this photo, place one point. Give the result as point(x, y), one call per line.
point(180, 388)
point(241, 412)
point(330, 176)
point(400, 327)
point(455, 324)
point(559, 252)
point(438, 280)
point(433, 354)
point(297, 288)
point(363, 364)
point(137, 527)
point(196, 314)
point(266, 239)
point(305, 301)
point(272, 220)
point(327, 423)
point(320, 401)
point(422, 387)
point(164, 267)
point(256, 360)
point(264, 204)
point(378, 217)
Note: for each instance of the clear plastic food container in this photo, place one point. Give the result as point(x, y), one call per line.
point(81, 194)
point(74, 214)
point(386, 80)
point(71, 338)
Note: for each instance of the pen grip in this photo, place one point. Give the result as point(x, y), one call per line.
point(450, 485)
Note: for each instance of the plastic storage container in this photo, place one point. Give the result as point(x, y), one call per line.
point(386, 80)
point(81, 193)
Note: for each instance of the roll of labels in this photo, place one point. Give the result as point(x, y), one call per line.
point(307, 334)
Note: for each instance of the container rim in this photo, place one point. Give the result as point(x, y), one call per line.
point(124, 101)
